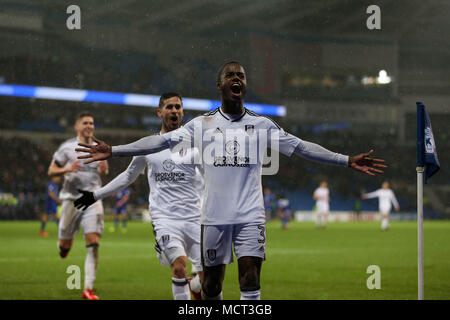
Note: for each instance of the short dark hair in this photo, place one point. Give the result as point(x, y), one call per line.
point(223, 67)
point(168, 95)
point(83, 114)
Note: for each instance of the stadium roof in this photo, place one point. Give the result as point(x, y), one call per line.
point(405, 20)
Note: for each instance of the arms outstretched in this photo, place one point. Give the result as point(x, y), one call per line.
point(103, 151)
point(363, 163)
point(311, 151)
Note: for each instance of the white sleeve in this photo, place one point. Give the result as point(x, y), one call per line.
point(287, 144)
point(155, 143)
point(136, 167)
point(60, 157)
point(147, 145)
point(280, 140)
point(371, 195)
point(315, 152)
point(394, 200)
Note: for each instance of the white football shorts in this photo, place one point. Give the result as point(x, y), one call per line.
point(385, 210)
point(176, 238)
point(323, 207)
point(249, 240)
point(90, 219)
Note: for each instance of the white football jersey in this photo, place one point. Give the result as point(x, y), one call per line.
point(385, 198)
point(86, 178)
point(231, 158)
point(322, 195)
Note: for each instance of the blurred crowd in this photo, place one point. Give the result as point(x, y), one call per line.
point(111, 70)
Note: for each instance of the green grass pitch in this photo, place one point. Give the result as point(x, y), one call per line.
point(302, 263)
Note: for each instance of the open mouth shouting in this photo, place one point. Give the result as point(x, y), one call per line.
point(174, 120)
point(236, 89)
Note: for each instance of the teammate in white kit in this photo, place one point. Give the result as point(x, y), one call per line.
point(322, 197)
point(80, 176)
point(233, 209)
point(386, 198)
point(176, 188)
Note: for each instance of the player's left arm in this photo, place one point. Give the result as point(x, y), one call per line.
point(394, 201)
point(289, 144)
point(361, 162)
point(123, 201)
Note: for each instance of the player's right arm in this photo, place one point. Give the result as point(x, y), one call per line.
point(55, 170)
point(144, 146)
point(370, 195)
point(61, 161)
point(315, 197)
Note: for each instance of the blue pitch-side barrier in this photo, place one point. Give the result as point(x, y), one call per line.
point(144, 100)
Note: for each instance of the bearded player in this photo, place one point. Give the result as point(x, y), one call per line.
point(176, 188)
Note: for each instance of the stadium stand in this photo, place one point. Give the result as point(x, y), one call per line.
point(23, 174)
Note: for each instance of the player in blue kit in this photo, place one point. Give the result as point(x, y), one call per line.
point(269, 199)
point(231, 139)
point(122, 198)
point(51, 204)
point(284, 211)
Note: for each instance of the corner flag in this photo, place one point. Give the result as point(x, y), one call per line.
point(426, 147)
point(427, 161)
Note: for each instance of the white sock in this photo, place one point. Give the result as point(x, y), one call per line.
point(90, 265)
point(384, 223)
point(180, 289)
point(251, 295)
point(195, 284)
point(218, 297)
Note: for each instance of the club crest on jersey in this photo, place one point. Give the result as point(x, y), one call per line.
point(168, 165)
point(211, 254)
point(232, 147)
point(249, 128)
